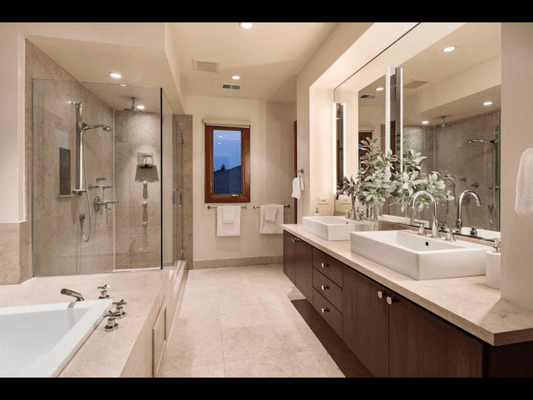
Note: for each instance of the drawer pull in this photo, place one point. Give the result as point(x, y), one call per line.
point(324, 287)
point(382, 294)
point(391, 300)
point(325, 310)
point(324, 265)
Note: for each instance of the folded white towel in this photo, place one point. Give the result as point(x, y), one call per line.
point(227, 214)
point(271, 227)
point(296, 188)
point(270, 212)
point(301, 183)
point(229, 229)
point(524, 185)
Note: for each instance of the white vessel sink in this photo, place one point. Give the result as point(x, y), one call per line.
point(420, 257)
point(334, 228)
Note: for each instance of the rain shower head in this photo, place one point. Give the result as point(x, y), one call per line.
point(133, 108)
point(444, 124)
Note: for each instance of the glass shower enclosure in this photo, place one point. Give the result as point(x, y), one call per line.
point(104, 186)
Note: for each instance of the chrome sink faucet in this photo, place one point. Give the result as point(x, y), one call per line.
point(459, 221)
point(434, 227)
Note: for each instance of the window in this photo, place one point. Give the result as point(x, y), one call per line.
point(227, 164)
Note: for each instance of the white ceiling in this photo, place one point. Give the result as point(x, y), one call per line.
point(268, 58)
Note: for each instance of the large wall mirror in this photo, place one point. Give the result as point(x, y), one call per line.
point(451, 79)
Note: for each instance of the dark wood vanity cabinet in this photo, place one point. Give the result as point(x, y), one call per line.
point(298, 263)
point(395, 337)
point(390, 334)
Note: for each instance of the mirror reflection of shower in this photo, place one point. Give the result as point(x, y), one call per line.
point(81, 173)
point(495, 185)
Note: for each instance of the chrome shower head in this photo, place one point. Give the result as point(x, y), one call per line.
point(444, 124)
point(104, 127)
point(133, 108)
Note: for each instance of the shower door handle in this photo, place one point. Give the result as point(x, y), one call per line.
point(180, 191)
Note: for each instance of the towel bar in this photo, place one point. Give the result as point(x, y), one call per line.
point(209, 207)
point(298, 170)
point(287, 206)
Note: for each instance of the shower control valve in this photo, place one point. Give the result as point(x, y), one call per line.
point(104, 294)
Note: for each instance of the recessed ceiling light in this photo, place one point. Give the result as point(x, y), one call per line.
point(379, 89)
point(487, 103)
point(449, 48)
point(246, 25)
point(236, 77)
point(115, 75)
point(425, 122)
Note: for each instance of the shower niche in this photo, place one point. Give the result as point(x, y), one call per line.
point(98, 200)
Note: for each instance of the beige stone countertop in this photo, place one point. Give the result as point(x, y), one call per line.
point(465, 302)
point(104, 354)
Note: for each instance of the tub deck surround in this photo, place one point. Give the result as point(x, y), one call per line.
point(104, 354)
point(466, 302)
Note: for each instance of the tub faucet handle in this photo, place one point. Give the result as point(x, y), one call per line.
point(111, 324)
point(104, 294)
point(120, 313)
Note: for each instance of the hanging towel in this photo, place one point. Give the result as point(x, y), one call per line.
point(301, 183)
point(233, 227)
point(524, 185)
point(270, 212)
point(271, 227)
point(296, 188)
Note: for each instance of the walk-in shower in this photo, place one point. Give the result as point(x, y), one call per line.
point(94, 208)
point(81, 175)
point(494, 204)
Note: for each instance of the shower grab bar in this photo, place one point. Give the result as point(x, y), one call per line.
point(287, 206)
point(210, 207)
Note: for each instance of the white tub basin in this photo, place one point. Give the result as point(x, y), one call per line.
point(334, 228)
point(40, 340)
point(420, 257)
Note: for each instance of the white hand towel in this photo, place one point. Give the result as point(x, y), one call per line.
point(296, 188)
point(270, 212)
point(524, 185)
point(269, 227)
point(227, 214)
point(229, 229)
point(301, 183)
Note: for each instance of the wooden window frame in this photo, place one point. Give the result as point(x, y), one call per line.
point(243, 197)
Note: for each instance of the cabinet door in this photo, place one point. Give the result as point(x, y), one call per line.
point(424, 345)
point(303, 265)
point(365, 321)
point(289, 248)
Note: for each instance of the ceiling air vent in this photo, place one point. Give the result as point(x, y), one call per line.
point(230, 86)
point(205, 66)
point(368, 96)
point(415, 84)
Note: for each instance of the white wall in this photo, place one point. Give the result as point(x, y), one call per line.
point(517, 100)
point(272, 171)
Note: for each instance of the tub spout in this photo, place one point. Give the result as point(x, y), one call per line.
point(72, 293)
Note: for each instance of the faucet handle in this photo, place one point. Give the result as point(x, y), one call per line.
point(421, 228)
point(450, 232)
point(103, 294)
point(120, 313)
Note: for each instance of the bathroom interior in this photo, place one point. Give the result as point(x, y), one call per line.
point(110, 194)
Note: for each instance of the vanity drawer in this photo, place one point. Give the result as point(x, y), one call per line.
point(327, 288)
point(327, 265)
point(332, 316)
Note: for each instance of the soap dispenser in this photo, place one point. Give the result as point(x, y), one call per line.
point(317, 212)
point(493, 265)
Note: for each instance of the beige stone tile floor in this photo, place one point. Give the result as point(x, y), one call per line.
point(240, 322)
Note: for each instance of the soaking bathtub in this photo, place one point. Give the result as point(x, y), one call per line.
point(40, 340)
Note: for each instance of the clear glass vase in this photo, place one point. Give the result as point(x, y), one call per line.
point(376, 216)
